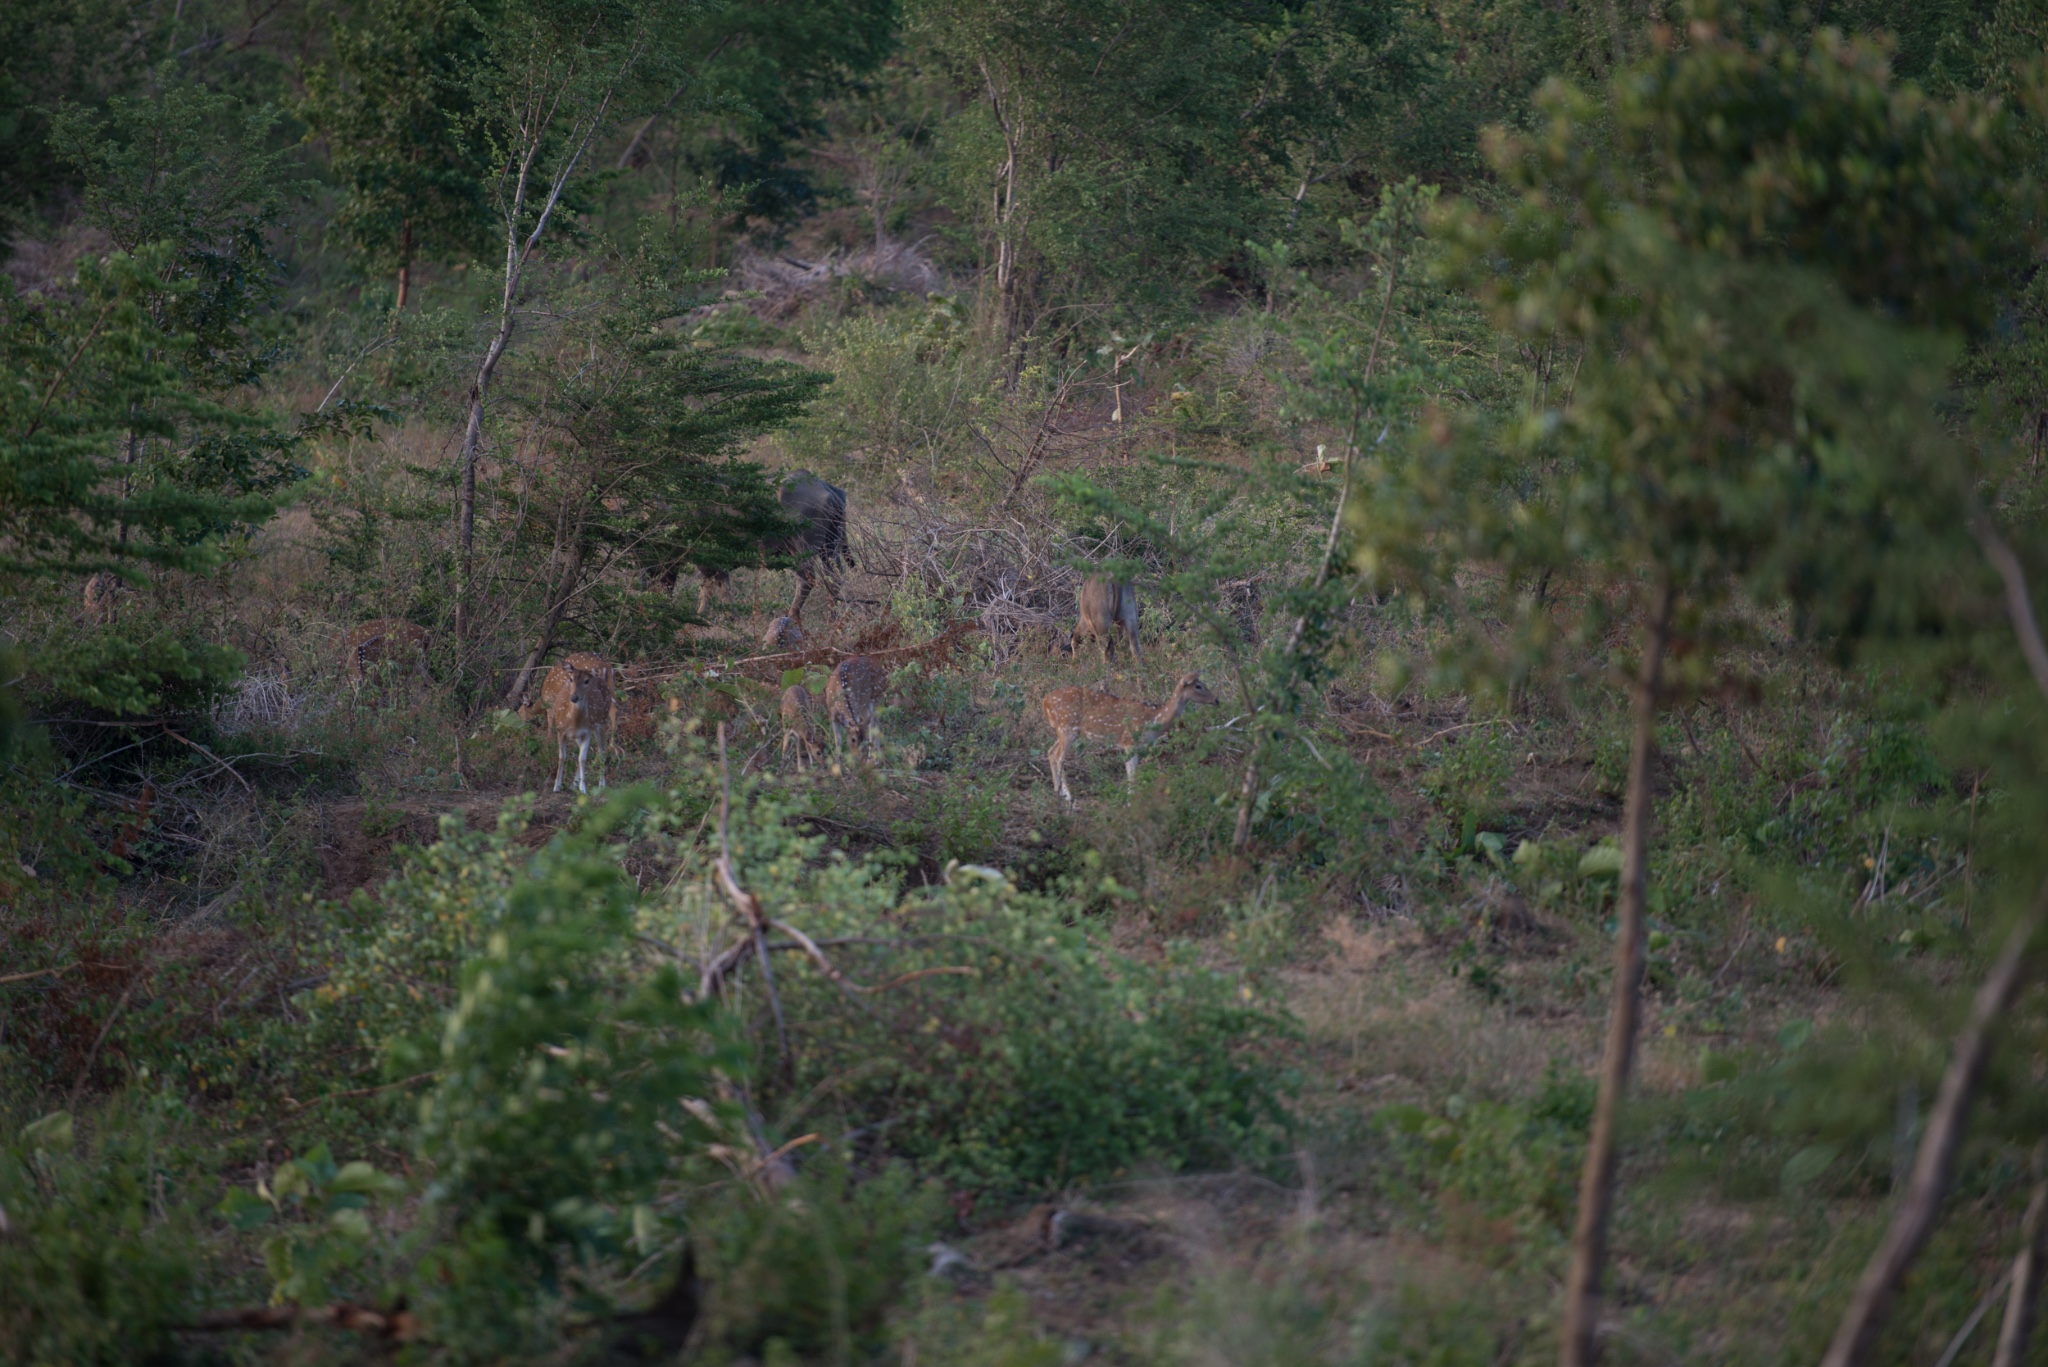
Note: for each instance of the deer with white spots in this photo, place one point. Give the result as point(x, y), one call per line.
point(1076, 713)
point(798, 707)
point(853, 695)
point(577, 696)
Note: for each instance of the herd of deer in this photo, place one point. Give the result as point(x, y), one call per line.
point(578, 696)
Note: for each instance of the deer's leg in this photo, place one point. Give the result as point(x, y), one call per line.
point(603, 734)
point(561, 756)
point(806, 571)
point(582, 753)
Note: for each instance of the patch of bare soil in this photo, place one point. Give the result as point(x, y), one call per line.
point(359, 838)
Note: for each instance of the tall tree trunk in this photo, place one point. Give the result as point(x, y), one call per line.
point(517, 254)
point(1935, 1163)
point(1004, 208)
point(2018, 1330)
point(558, 605)
point(1579, 1346)
point(404, 263)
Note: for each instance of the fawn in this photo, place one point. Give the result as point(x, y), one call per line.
point(102, 596)
point(1107, 608)
point(578, 698)
point(388, 638)
point(1075, 712)
point(784, 633)
point(853, 692)
point(797, 709)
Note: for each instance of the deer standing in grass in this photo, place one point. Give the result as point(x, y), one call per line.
point(1077, 713)
point(853, 693)
point(1107, 608)
point(797, 709)
point(386, 639)
point(578, 698)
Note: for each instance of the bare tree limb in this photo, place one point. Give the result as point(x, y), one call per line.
point(1934, 1166)
point(2017, 1331)
point(1579, 1345)
point(2019, 606)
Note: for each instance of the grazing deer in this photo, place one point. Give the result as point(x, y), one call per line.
point(1076, 712)
point(578, 697)
point(797, 709)
point(387, 638)
point(103, 593)
point(783, 633)
point(1108, 607)
point(853, 692)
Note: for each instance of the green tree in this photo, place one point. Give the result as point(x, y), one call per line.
point(1763, 257)
point(640, 425)
point(556, 75)
point(54, 53)
point(1130, 149)
point(397, 110)
point(198, 169)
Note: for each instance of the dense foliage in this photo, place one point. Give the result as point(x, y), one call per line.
point(1592, 456)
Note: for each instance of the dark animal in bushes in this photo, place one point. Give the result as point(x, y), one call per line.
point(102, 597)
point(819, 545)
point(1078, 713)
point(1108, 609)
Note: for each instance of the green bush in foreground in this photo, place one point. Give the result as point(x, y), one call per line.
point(990, 1037)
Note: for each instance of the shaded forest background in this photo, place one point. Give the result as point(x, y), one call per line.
point(1593, 451)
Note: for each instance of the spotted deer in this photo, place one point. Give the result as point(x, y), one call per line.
point(783, 633)
point(102, 597)
point(1107, 609)
point(577, 696)
point(1077, 713)
point(401, 643)
point(798, 706)
point(853, 693)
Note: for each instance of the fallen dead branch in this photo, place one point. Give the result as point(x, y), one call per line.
point(398, 1324)
point(752, 924)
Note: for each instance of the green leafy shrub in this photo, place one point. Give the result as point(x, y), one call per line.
point(317, 1207)
point(562, 1073)
point(98, 1257)
point(1013, 1051)
point(817, 1267)
point(395, 954)
point(1468, 776)
point(1511, 1161)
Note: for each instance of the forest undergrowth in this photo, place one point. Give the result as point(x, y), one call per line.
point(1606, 542)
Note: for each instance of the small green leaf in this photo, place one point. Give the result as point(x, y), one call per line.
point(1793, 1035)
point(52, 1132)
point(1404, 1118)
point(1802, 1169)
point(1602, 861)
point(361, 1178)
point(352, 1223)
point(243, 1208)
